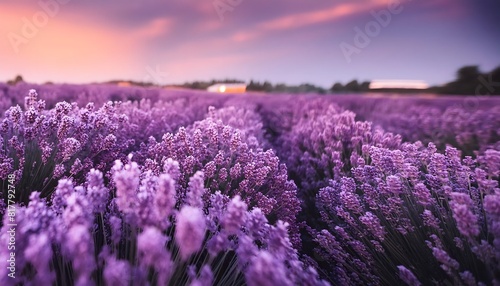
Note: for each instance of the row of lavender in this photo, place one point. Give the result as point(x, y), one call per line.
point(167, 192)
point(379, 209)
point(185, 188)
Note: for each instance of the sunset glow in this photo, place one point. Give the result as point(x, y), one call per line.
point(286, 41)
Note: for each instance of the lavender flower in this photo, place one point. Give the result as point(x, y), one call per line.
point(117, 272)
point(164, 200)
point(281, 190)
point(116, 229)
point(256, 224)
point(30, 100)
point(78, 245)
point(265, 270)
point(96, 191)
point(39, 254)
point(466, 220)
point(127, 181)
point(190, 231)
point(373, 224)
point(152, 253)
point(205, 279)
point(408, 277)
point(448, 264)
point(234, 216)
point(468, 278)
point(196, 190)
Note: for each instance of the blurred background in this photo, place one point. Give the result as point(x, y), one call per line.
point(287, 42)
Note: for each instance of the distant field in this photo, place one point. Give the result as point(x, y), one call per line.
point(107, 183)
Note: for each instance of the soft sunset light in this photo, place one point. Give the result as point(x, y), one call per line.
point(249, 142)
point(288, 41)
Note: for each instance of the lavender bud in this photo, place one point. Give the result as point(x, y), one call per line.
point(235, 215)
point(190, 230)
point(408, 277)
point(265, 270)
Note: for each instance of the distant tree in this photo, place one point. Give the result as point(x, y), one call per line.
point(495, 75)
point(491, 81)
point(267, 86)
point(310, 88)
point(197, 85)
point(468, 73)
point(254, 86)
point(337, 87)
point(365, 86)
point(16, 80)
point(280, 87)
point(352, 86)
point(467, 82)
point(250, 85)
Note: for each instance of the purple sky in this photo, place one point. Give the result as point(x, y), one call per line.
point(290, 41)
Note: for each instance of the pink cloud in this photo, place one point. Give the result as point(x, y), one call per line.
point(154, 28)
point(309, 18)
point(304, 19)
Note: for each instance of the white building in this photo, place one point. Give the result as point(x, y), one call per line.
point(398, 84)
point(228, 88)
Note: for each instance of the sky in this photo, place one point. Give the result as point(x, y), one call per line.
point(282, 41)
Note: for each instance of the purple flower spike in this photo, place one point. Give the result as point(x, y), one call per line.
point(39, 254)
point(164, 200)
point(266, 270)
point(373, 224)
point(196, 190)
point(206, 277)
point(234, 216)
point(117, 272)
point(152, 253)
point(467, 221)
point(96, 191)
point(127, 181)
point(78, 245)
point(408, 277)
point(190, 230)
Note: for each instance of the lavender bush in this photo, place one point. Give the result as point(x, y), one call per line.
point(133, 186)
point(425, 213)
point(232, 161)
point(40, 146)
point(140, 237)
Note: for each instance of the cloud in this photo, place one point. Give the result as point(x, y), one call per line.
point(97, 40)
point(304, 19)
point(154, 28)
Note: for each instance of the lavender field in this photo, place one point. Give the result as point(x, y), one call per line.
point(107, 185)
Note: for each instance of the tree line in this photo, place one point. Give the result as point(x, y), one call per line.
point(469, 81)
